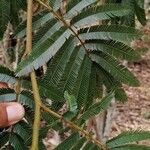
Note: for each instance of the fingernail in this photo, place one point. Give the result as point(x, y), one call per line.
point(15, 112)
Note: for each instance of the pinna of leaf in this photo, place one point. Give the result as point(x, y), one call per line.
point(82, 58)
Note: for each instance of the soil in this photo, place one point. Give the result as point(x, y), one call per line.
point(135, 113)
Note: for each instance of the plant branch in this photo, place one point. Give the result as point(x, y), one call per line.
point(70, 124)
point(18, 89)
point(37, 115)
point(60, 18)
point(75, 127)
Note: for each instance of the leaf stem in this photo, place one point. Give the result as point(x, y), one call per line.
point(70, 124)
point(37, 115)
point(75, 127)
point(60, 18)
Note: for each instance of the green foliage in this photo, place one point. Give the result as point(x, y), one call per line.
point(69, 142)
point(132, 147)
point(9, 12)
point(7, 95)
point(98, 107)
point(83, 62)
point(128, 137)
point(71, 101)
point(4, 16)
point(115, 69)
point(6, 75)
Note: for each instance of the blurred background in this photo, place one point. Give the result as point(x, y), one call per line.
point(135, 114)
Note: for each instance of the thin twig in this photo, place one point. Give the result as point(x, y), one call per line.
point(75, 127)
point(60, 18)
point(70, 124)
point(37, 115)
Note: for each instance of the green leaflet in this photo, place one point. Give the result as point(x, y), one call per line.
point(76, 6)
point(89, 146)
point(68, 143)
point(113, 48)
point(52, 122)
point(26, 98)
point(74, 70)
point(132, 147)
point(97, 13)
point(109, 82)
point(51, 92)
point(4, 136)
point(128, 137)
point(118, 71)
point(7, 95)
point(39, 57)
point(110, 32)
point(71, 101)
point(6, 75)
point(79, 144)
point(137, 10)
point(63, 70)
point(92, 88)
point(81, 86)
point(55, 4)
point(97, 107)
point(24, 131)
point(38, 21)
point(59, 63)
point(46, 90)
point(140, 13)
point(45, 32)
point(17, 142)
point(4, 16)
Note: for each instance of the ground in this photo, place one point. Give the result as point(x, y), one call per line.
point(135, 114)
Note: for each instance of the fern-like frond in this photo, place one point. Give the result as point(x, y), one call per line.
point(89, 146)
point(17, 142)
point(45, 32)
point(59, 63)
point(7, 95)
point(4, 136)
point(26, 99)
point(113, 48)
point(6, 75)
point(128, 137)
point(69, 142)
point(110, 82)
point(97, 107)
point(76, 6)
point(81, 85)
point(55, 4)
point(39, 57)
point(132, 147)
point(110, 32)
point(118, 71)
point(79, 144)
point(97, 13)
point(38, 21)
point(51, 92)
point(24, 131)
point(4, 16)
point(74, 70)
point(140, 13)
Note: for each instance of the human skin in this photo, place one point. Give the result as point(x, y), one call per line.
point(10, 112)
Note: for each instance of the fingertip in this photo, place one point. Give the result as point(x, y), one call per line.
point(15, 112)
